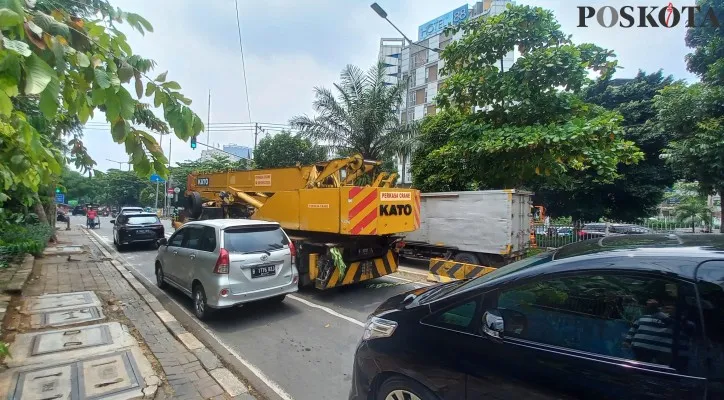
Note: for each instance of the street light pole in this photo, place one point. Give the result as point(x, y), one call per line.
point(383, 14)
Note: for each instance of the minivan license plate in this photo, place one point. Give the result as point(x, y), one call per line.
point(258, 272)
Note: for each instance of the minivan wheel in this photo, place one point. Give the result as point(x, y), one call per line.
point(201, 308)
point(401, 388)
point(159, 277)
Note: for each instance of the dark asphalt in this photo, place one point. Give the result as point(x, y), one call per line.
point(305, 349)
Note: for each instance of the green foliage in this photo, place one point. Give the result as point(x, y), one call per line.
point(693, 211)
point(362, 118)
point(639, 188)
point(706, 59)
point(4, 350)
point(60, 62)
point(21, 234)
point(532, 123)
point(285, 150)
point(694, 114)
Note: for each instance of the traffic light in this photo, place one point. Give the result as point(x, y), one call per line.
point(57, 190)
point(193, 142)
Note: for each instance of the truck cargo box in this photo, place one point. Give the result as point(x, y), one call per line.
point(490, 224)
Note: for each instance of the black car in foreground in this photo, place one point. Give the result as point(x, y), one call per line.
point(136, 228)
point(78, 210)
point(619, 317)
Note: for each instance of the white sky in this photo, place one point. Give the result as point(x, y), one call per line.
point(292, 46)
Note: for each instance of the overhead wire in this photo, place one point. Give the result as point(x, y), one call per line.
point(243, 63)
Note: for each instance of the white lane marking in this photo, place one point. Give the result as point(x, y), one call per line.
point(326, 309)
point(408, 281)
point(251, 367)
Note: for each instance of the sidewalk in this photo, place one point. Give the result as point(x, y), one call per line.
point(170, 361)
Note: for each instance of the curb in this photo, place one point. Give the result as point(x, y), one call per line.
point(211, 363)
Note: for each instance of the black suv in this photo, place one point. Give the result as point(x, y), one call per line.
point(618, 317)
point(136, 228)
point(78, 210)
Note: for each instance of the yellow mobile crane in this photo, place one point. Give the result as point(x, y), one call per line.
point(343, 233)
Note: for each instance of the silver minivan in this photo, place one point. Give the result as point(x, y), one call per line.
point(225, 262)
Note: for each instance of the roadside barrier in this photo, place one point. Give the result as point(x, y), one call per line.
point(442, 270)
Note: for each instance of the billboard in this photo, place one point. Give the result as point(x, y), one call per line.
point(437, 25)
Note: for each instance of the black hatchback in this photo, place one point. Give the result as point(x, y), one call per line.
point(137, 228)
point(620, 317)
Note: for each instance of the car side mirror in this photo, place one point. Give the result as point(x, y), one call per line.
point(113, 221)
point(502, 321)
point(493, 324)
point(162, 242)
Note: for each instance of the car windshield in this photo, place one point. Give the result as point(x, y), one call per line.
point(506, 270)
point(254, 239)
point(142, 219)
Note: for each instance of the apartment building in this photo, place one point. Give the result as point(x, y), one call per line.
point(420, 61)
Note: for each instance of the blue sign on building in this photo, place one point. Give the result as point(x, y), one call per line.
point(60, 198)
point(438, 24)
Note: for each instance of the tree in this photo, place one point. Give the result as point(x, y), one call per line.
point(693, 210)
point(529, 121)
point(285, 150)
point(67, 62)
point(363, 118)
point(694, 114)
point(76, 186)
point(639, 188)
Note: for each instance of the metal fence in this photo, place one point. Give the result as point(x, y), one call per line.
point(550, 235)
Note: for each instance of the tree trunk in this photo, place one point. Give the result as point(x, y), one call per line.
point(721, 211)
point(42, 216)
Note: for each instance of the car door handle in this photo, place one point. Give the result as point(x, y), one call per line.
point(192, 256)
point(175, 252)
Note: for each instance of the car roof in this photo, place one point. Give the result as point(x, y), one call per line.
point(676, 255)
point(229, 222)
point(132, 208)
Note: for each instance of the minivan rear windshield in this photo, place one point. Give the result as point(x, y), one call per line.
point(254, 239)
point(142, 219)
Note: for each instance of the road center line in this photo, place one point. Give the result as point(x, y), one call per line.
point(325, 309)
point(251, 367)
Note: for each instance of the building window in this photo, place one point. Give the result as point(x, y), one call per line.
point(444, 44)
point(420, 58)
point(412, 97)
point(431, 73)
point(420, 96)
point(431, 110)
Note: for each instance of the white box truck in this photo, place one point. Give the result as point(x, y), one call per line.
point(488, 227)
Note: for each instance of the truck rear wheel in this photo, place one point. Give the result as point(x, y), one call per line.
point(193, 202)
point(467, 258)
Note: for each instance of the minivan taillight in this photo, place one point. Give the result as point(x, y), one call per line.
point(292, 251)
point(222, 263)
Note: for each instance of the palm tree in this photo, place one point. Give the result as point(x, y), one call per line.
point(363, 117)
point(692, 210)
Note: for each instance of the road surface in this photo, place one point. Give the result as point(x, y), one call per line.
point(302, 349)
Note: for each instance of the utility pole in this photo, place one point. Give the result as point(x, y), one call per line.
point(208, 118)
point(256, 135)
